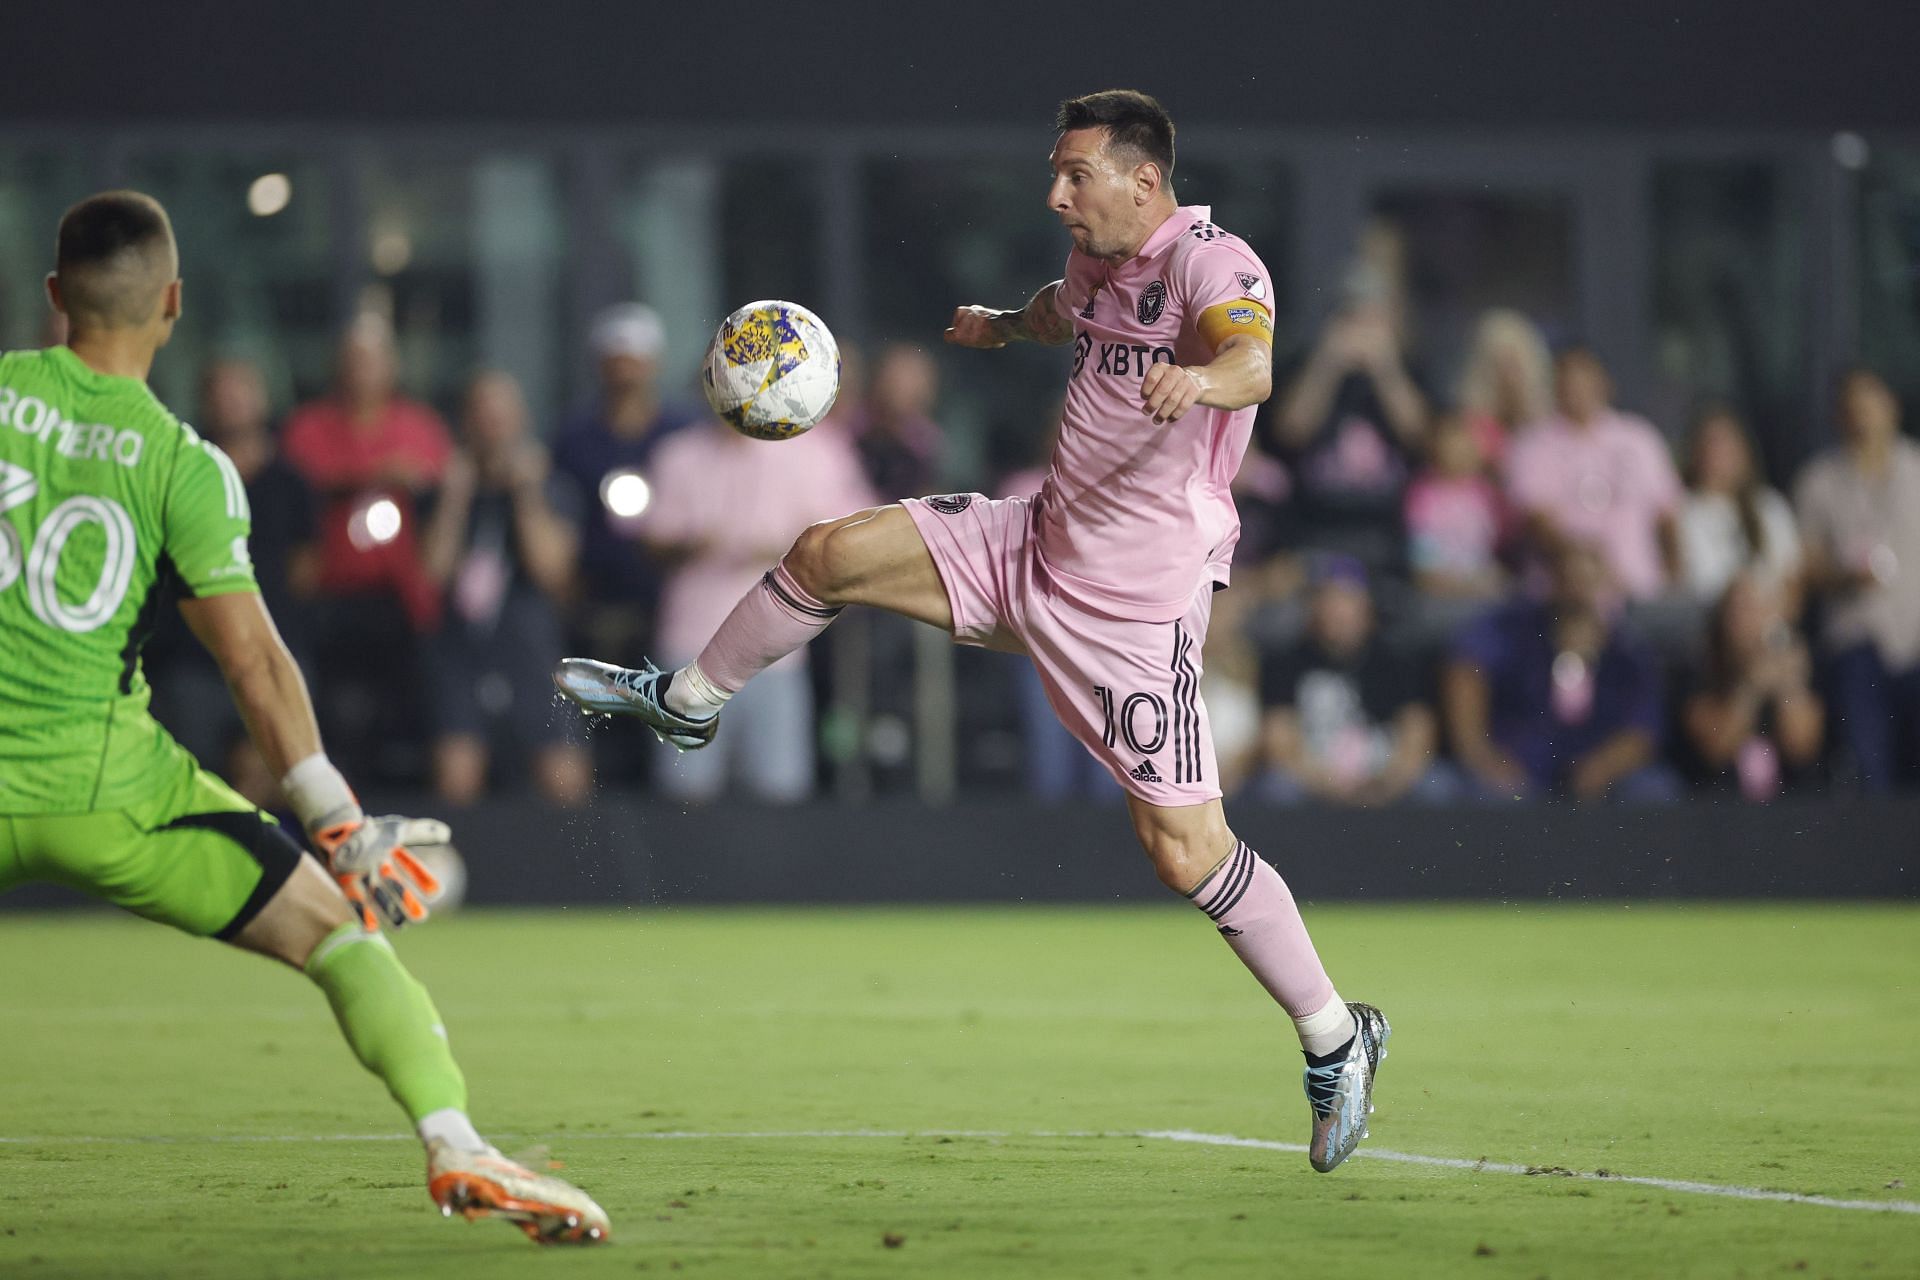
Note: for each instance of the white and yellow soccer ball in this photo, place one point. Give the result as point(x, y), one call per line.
point(772, 371)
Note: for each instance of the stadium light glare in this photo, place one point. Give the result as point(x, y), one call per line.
point(1850, 150)
point(391, 251)
point(269, 194)
point(374, 525)
point(626, 493)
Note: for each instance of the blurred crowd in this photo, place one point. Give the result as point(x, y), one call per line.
point(1507, 587)
point(1494, 587)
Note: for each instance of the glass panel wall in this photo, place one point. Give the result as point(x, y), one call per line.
point(256, 256)
point(1889, 258)
point(1463, 251)
point(466, 257)
point(1730, 300)
point(36, 185)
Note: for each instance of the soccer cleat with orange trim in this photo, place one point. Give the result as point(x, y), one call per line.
point(485, 1184)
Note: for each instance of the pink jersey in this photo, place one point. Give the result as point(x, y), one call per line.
point(1135, 514)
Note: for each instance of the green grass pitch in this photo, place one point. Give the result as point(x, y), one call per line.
point(174, 1109)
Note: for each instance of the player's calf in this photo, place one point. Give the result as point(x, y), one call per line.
point(1186, 844)
point(1250, 904)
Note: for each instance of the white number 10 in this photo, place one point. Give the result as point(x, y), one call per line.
point(42, 562)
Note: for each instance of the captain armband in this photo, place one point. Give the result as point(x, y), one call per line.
point(1242, 315)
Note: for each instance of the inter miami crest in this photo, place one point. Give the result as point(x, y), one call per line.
point(1255, 287)
point(951, 504)
point(1153, 300)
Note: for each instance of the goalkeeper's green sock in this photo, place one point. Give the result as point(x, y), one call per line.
point(395, 1031)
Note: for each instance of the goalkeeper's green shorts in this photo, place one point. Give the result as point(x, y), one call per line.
point(195, 856)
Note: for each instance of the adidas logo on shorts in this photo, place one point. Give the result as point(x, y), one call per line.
point(1145, 772)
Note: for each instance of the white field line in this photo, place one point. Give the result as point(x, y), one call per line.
point(1683, 1185)
point(1680, 1185)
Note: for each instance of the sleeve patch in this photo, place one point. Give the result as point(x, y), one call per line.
point(1218, 323)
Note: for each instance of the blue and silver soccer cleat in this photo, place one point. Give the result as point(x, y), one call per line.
point(606, 690)
point(1341, 1093)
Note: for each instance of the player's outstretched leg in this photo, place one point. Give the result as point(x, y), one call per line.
point(873, 557)
point(390, 1022)
point(1250, 904)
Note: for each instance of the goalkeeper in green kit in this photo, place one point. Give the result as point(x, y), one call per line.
point(105, 500)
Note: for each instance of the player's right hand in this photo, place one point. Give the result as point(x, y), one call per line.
point(974, 327)
point(373, 861)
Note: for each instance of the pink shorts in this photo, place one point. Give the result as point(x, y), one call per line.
point(1129, 691)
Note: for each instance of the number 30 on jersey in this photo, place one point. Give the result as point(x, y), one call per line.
point(40, 563)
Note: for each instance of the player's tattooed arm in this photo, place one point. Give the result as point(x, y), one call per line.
point(1039, 321)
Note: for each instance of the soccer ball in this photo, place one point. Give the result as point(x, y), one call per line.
point(450, 869)
point(772, 371)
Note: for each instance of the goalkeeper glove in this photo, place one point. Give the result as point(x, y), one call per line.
point(371, 858)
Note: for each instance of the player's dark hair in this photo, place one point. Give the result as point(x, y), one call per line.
point(1132, 119)
point(105, 252)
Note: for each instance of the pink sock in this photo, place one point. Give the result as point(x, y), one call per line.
point(1257, 916)
point(771, 621)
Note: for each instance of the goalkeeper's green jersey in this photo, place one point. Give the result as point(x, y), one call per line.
point(106, 499)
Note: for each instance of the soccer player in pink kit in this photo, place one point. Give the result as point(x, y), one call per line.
point(1105, 578)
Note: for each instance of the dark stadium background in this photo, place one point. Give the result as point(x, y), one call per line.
point(1784, 137)
point(1501, 66)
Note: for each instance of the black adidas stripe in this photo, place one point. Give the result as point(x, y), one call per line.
point(1235, 888)
point(1232, 883)
point(1179, 720)
point(786, 597)
point(1190, 717)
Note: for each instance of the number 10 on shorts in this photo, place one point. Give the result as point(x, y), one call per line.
point(1129, 715)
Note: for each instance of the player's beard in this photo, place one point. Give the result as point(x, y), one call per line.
point(1095, 247)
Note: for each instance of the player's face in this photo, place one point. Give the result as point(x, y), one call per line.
point(1094, 194)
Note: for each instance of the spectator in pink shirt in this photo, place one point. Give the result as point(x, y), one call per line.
point(1456, 518)
point(1594, 474)
point(724, 510)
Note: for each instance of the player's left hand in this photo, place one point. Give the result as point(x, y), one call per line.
point(1168, 391)
point(373, 861)
point(973, 327)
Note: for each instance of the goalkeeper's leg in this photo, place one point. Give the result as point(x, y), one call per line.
point(395, 1031)
point(387, 1016)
